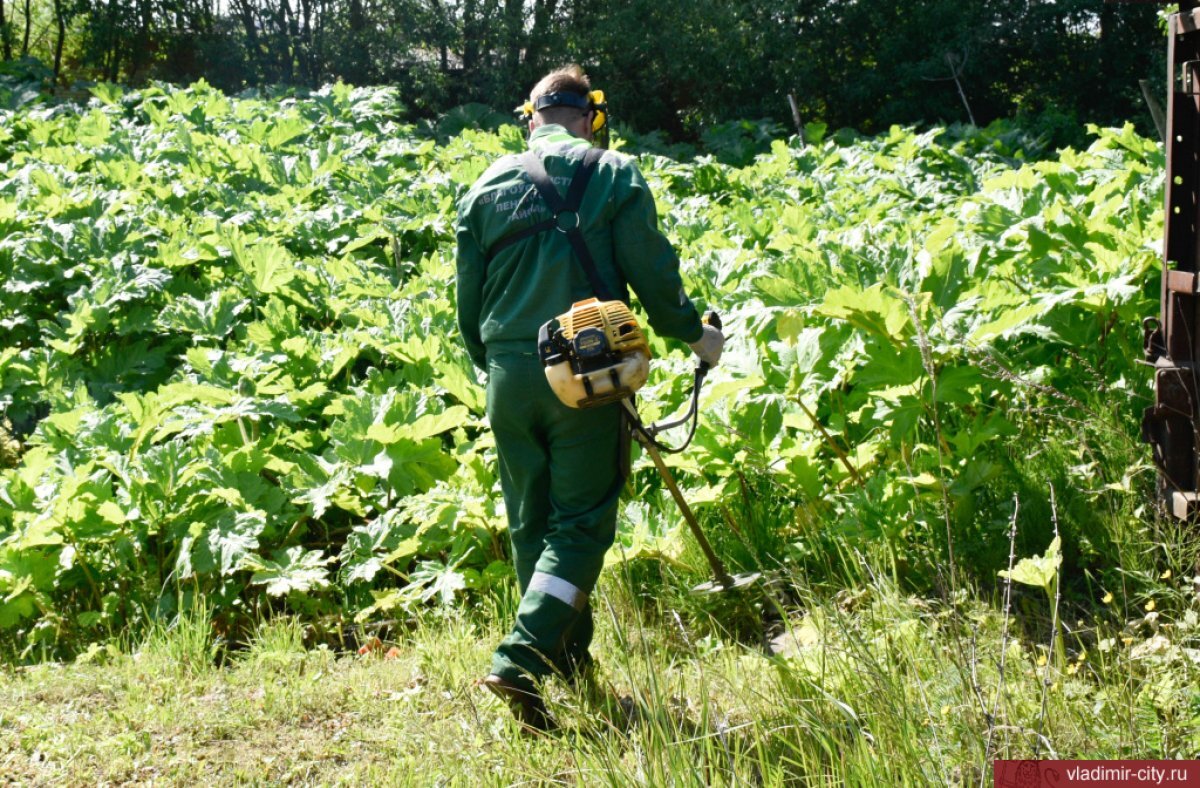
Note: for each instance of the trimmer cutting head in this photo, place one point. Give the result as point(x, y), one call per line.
point(553, 351)
point(728, 582)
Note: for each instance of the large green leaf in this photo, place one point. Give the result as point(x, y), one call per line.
point(219, 547)
point(294, 570)
point(267, 266)
point(1040, 570)
point(875, 310)
point(231, 347)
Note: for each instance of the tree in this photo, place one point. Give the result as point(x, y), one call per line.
point(60, 21)
point(675, 65)
point(28, 25)
point(5, 34)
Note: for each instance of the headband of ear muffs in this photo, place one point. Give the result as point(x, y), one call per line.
point(593, 101)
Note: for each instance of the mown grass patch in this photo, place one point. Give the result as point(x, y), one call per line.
point(867, 683)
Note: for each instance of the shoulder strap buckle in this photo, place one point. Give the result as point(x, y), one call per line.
point(567, 225)
point(565, 211)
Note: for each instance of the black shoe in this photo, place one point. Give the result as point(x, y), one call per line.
point(526, 706)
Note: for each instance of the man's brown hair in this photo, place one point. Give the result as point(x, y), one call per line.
point(568, 79)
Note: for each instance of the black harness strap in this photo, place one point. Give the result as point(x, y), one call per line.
point(561, 208)
point(579, 182)
point(520, 235)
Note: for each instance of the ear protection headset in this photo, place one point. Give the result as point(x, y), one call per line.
point(593, 101)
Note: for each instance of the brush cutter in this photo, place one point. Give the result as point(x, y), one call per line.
point(646, 435)
point(596, 353)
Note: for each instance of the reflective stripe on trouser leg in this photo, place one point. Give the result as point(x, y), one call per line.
point(560, 474)
point(534, 647)
point(559, 589)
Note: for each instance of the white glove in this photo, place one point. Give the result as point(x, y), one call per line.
point(709, 346)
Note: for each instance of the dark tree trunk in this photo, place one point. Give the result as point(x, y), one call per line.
point(60, 20)
point(319, 63)
point(307, 63)
point(356, 64)
point(470, 39)
point(112, 64)
point(287, 61)
point(543, 16)
point(442, 26)
point(5, 37)
point(246, 14)
point(141, 49)
point(514, 28)
point(1108, 37)
point(196, 18)
point(28, 23)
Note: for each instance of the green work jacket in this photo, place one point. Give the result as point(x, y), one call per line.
point(503, 302)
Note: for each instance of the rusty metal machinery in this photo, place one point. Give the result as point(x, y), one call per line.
point(1172, 340)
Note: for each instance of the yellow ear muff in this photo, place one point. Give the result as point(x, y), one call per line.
point(601, 108)
point(598, 105)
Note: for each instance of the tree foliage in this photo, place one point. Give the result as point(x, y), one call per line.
point(674, 65)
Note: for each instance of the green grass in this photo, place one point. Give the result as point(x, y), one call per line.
point(870, 685)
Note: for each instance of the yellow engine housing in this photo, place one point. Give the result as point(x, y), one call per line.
point(594, 353)
point(612, 317)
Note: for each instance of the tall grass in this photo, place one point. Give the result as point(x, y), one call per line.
point(183, 645)
point(835, 670)
point(866, 686)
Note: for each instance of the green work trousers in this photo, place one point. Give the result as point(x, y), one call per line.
point(561, 478)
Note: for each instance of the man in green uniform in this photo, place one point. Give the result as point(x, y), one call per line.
point(560, 469)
